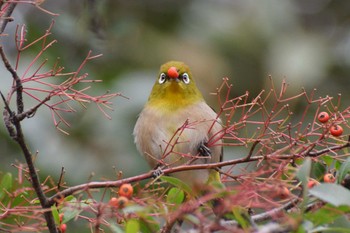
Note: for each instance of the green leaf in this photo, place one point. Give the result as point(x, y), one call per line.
point(177, 183)
point(134, 209)
point(326, 214)
point(341, 221)
point(303, 175)
point(343, 170)
point(330, 229)
point(55, 214)
point(132, 226)
point(241, 217)
point(192, 218)
point(318, 170)
point(149, 225)
point(175, 196)
point(70, 198)
point(6, 184)
point(70, 213)
point(331, 193)
point(115, 228)
point(328, 160)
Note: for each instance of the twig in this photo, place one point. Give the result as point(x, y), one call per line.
point(252, 149)
point(19, 87)
point(6, 17)
point(60, 179)
point(332, 148)
point(8, 116)
point(19, 138)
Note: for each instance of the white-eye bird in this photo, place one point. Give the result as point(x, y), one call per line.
point(177, 127)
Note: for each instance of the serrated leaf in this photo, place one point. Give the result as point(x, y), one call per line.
point(331, 193)
point(344, 170)
point(177, 183)
point(6, 184)
point(175, 196)
point(132, 226)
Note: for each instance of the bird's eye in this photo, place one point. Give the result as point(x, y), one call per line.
point(162, 78)
point(185, 78)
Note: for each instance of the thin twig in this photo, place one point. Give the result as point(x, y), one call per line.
point(332, 148)
point(252, 149)
point(16, 78)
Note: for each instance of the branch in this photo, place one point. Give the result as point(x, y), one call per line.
point(6, 17)
point(16, 78)
point(332, 148)
point(13, 122)
point(105, 184)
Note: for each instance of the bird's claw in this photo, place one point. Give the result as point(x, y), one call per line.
point(157, 172)
point(204, 150)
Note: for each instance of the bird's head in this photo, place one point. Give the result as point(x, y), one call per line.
point(175, 86)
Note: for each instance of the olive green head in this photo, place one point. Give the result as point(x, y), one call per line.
point(174, 87)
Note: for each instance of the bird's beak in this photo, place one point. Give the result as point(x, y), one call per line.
point(172, 73)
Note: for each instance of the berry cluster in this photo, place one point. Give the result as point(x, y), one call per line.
point(335, 130)
point(125, 193)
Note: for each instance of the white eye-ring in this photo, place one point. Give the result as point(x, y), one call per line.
point(185, 78)
point(162, 78)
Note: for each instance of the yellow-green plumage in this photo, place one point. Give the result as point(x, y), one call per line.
point(173, 101)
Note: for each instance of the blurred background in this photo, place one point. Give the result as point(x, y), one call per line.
point(305, 42)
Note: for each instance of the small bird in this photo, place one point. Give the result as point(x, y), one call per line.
point(177, 127)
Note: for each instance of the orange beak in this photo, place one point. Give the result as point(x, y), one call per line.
point(172, 72)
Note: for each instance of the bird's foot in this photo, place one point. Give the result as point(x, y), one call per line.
point(157, 172)
point(204, 150)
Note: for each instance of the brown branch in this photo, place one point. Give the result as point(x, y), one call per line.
point(6, 17)
point(16, 78)
point(105, 184)
point(332, 148)
point(15, 123)
point(252, 149)
point(34, 176)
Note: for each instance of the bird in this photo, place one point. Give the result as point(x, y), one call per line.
point(177, 127)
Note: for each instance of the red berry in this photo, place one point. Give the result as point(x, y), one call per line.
point(328, 178)
point(63, 228)
point(336, 130)
point(323, 117)
point(113, 201)
point(126, 190)
point(283, 192)
point(172, 72)
point(122, 201)
point(311, 183)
